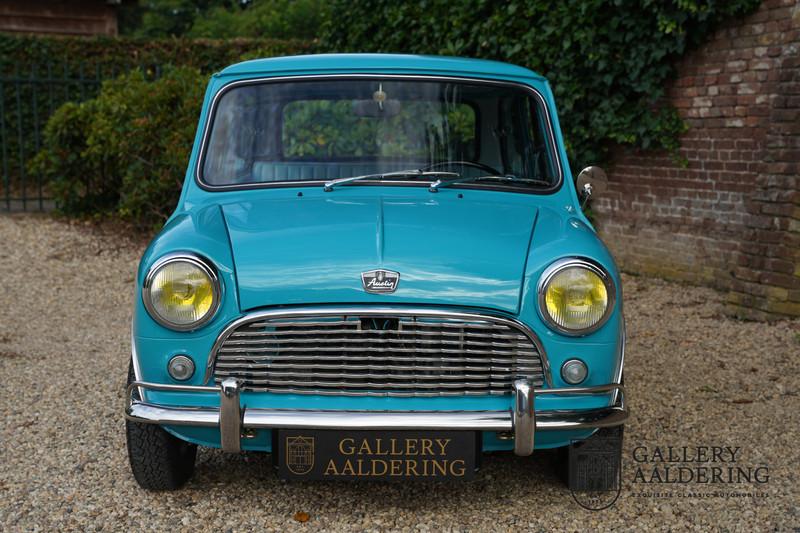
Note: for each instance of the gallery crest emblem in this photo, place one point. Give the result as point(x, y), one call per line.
point(300, 454)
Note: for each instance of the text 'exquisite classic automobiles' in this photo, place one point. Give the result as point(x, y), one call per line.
point(378, 268)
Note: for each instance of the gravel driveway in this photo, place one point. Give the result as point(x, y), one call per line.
point(695, 378)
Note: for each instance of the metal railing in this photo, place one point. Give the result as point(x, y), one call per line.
point(29, 95)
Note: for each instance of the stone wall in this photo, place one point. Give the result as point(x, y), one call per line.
point(727, 213)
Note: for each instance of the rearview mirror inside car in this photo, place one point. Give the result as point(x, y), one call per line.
point(379, 109)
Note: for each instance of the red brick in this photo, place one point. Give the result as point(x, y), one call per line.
point(734, 207)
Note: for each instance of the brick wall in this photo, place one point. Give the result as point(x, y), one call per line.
point(730, 217)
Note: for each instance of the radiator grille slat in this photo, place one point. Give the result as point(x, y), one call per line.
point(343, 348)
point(379, 356)
point(266, 368)
point(290, 333)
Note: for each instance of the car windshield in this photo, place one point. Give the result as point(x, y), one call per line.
point(326, 129)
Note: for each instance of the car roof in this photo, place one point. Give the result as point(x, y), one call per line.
point(343, 63)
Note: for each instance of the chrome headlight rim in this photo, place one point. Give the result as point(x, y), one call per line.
point(194, 260)
point(571, 262)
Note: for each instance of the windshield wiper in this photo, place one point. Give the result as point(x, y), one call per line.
point(508, 178)
point(329, 185)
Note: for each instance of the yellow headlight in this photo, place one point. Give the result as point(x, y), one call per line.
point(181, 293)
point(575, 298)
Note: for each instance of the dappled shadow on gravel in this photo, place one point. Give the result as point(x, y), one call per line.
point(694, 378)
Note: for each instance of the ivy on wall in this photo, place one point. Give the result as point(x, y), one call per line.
point(608, 61)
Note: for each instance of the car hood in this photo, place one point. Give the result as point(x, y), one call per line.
point(448, 251)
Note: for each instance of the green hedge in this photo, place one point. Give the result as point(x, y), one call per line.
point(105, 53)
point(38, 74)
point(124, 152)
point(608, 61)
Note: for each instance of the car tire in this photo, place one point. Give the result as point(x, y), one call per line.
point(159, 460)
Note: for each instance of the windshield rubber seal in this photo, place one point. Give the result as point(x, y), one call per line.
point(422, 77)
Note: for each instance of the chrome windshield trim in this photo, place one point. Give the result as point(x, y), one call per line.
point(277, 79)
point(432, 312)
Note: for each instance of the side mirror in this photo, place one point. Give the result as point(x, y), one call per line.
point(591, 181)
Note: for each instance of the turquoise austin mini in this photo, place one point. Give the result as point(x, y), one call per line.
point(378, 267)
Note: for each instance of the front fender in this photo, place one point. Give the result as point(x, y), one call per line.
point(203, 233)
point(557, 236)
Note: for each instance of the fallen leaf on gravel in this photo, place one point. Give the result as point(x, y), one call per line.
point(301, 516)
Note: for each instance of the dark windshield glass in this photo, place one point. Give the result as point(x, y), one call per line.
point(327, 129)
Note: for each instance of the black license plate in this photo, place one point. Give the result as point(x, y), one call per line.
point(376, 455)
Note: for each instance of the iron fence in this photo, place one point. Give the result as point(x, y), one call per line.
point(29, 95)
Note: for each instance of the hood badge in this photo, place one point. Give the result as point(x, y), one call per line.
point(380, 281)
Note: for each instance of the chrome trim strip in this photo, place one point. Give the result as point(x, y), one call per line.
point(582, 390)
point(567, 262)
point(277, 79)
point(146, 413)
point(306, 419)
point(230, 416)
point(306, 312)
point(137, 371)
point(523, 417)
point(478, 420)
point(195, 260)
point(591, 419)
point(623, 333)
point(165, 387)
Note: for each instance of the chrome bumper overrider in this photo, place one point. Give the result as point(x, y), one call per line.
point(232, 419)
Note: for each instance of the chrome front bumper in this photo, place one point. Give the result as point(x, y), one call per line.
point(521, 420)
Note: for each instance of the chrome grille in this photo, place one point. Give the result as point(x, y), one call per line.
point(378, 355)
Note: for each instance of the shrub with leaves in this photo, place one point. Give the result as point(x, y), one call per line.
point(126, 151)
point(608, 60)
point(74, 57)
point(55, 67)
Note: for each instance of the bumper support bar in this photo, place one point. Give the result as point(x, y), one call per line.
point(232, 418)
point(523, 418)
